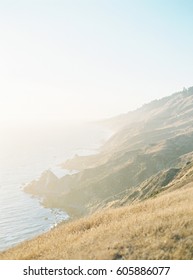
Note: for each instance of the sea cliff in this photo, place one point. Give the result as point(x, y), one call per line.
point(149, 142)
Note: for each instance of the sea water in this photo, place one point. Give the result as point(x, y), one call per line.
point(25, 152)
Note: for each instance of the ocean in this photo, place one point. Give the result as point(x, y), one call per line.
point(25, 152)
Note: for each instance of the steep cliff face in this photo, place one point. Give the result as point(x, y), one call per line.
point(47, 183)
point(150, 143)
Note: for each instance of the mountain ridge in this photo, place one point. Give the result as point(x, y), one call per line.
point(153, 140)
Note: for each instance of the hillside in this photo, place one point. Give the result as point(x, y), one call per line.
point(157, 228)
point(149, 141)
point(133, 200)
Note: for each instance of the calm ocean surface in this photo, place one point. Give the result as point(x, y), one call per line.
point(25, 152)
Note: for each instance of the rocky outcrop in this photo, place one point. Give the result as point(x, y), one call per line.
point(47, 183)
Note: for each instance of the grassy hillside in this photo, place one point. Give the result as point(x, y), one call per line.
point(133, 199)
point(166, 180)
point(157, 228)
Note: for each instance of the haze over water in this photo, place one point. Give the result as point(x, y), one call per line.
point(25, 152)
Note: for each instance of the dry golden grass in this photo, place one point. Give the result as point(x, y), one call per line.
point(159, 228)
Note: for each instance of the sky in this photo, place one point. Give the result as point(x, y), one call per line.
point(72, 60)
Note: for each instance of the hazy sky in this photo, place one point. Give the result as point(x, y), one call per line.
point(88, 59)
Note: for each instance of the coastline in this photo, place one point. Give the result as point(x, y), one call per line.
point(50, 188)
point(38, 200)
point(145, 192)
point(113, 234)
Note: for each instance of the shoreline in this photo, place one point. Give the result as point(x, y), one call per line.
point(112, 234)
point(80, 152)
